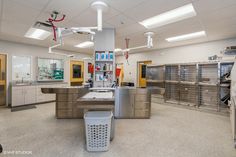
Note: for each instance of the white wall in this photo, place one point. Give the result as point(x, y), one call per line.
point(183, 54)
point(16, 49)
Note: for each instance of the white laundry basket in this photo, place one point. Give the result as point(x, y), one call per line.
point(98, 128)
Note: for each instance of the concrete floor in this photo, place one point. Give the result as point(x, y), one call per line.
point(171, 132)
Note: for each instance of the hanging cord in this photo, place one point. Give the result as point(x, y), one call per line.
point(127, 52)
point(51, 20)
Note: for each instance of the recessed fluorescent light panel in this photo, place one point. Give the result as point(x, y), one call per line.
point(85, 44)
point(172, 16)
point(36, 33)
point(187, 36)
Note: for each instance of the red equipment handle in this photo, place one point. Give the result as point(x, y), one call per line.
point(54, 27)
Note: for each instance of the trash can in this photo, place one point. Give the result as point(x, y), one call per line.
point(98, 130)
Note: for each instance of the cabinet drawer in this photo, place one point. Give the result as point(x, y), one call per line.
point(64, 105)
point(142, 105)
point(78, 113)
point(141, 113)
point(66, 97)
point(64, 113)
point(142, 97)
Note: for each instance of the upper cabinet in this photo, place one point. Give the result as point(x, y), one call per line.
point(21, 68)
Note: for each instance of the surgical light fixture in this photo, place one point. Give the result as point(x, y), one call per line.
point(37, 33)
point(85, 44)
point(178, 14)
point(187, 36)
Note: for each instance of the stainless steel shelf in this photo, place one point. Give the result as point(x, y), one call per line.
point(207, 84)
point(187, 82)
point(171, 81)
point(156, 81)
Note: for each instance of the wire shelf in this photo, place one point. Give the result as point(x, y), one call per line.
point(172, 92)
point(188, 73)
point(172, 72)
point(208, 73)
point(209, 97)
point(188, 94)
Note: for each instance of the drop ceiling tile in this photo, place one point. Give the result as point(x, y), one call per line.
point(19, 13)
point(222, 35)
point(85, 19)
point(70, 8)
point(205, 6)
point(14, 28)
point(35, 4)
point(89, 17)
point(131, 29)
point(185, 26)
point(107, 25)
point(123, 5)
point(219, 15)
point(120, 21)
point(221, 24)
point(152, 8)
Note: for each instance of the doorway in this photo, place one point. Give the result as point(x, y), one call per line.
point(142, 65)
point(3, 79)
point(76, 73)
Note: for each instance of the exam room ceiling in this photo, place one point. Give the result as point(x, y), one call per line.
point(216, 17)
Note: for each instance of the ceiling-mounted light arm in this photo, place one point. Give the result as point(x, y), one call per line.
point(149, 39)
point(100, 7)
point(54, 46)
point(59, 53)
point(149, 44)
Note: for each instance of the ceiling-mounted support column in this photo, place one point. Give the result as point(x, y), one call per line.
point(100, 7)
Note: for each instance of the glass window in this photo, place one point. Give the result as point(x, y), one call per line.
point(143, 71)
point(77, 71)
point(21, 67)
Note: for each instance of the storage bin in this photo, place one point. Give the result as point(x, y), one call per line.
point(98, 130)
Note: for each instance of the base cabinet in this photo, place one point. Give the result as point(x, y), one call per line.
point(25, 95)
point(132, 103)
point(18, 97)
point(29, 95)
